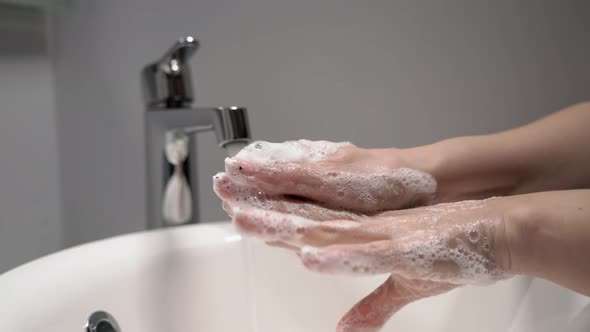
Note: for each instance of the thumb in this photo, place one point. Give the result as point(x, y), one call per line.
point(279, 178)
point(373, 311)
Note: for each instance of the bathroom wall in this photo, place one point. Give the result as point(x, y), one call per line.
point(377, 73)
point(30, 221)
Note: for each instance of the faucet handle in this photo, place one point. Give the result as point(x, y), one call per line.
point(178, 55)
point(167, 82)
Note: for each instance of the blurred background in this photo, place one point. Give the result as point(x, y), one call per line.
point(376, 73)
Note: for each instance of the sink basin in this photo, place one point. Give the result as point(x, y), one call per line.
point(207, 278)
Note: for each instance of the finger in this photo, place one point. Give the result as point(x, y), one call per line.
point(366, 192)
point(355, 259)
point(227, 189)
point(373, 311)
point(413, 256)
point(290, 154)
point(306, 181)
point(295, 230)
point(310, 210)
point(221, 186)
point(283, 245)
point(236, 194)
point(227, 208)
point(270, 226)
point(274, 177)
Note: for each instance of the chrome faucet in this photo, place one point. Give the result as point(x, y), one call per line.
point(172, 122)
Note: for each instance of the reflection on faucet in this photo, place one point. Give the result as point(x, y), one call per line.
point(172, 123)
point(176, 205)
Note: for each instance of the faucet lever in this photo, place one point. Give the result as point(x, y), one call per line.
point(167, 82)
point(178, 55)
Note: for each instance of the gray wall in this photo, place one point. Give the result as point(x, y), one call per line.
point(30, 221)
point(377, 73)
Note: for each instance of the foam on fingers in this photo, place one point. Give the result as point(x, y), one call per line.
point(277, 167)
point(359, 190)
point(276, 177)
point(222, 186)
point(238, 194)
point(229, 191)
point(290, 168)
point(269, 225)
point(301, 151)
point(227, 208)
point(353, 259)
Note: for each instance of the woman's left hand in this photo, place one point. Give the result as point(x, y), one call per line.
point(427, 250)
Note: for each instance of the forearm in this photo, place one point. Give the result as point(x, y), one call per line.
point(549, 154)
point(549, 237)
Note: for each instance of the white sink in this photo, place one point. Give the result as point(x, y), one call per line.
point(207, 278)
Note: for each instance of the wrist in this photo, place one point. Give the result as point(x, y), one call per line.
point(547, 235)
point(472, 167)
point(521, 224)
point(421, 158)
point(432, 159)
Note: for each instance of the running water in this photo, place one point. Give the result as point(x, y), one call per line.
point(247, 254)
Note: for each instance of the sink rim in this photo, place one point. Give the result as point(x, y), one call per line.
point(157, 240)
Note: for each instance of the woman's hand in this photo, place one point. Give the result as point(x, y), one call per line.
point(430, 250)
point(427, 250)
point(459, 243)
point(337, 176)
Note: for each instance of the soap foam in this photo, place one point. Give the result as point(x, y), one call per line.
point(459, 261)
point(370, 192)
point(271, 226)
point(301, 151)
point(454, 253)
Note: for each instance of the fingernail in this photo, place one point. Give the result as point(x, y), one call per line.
point(234, 167)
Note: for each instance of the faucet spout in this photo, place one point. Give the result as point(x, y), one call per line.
point(231, 125)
